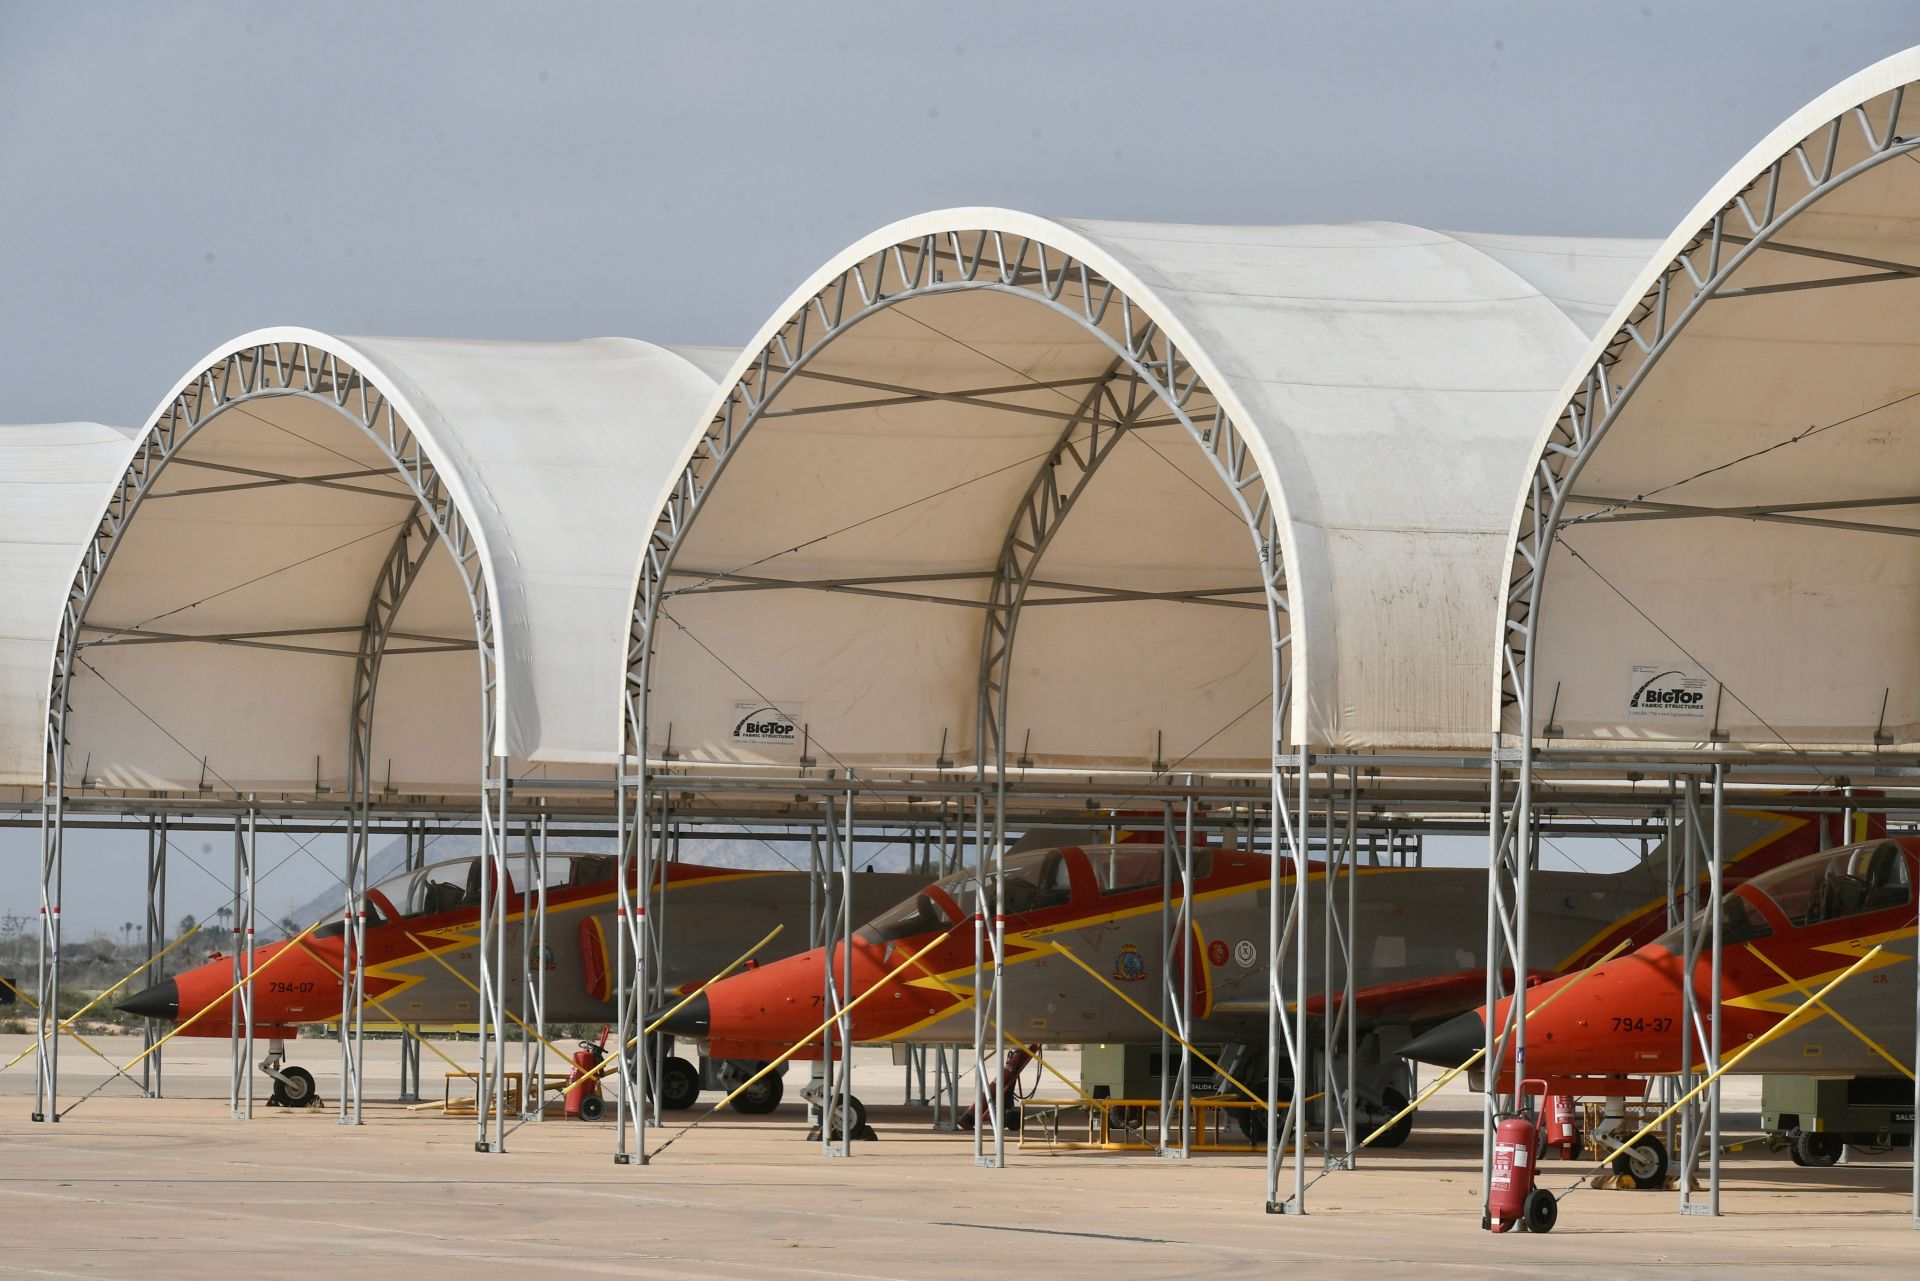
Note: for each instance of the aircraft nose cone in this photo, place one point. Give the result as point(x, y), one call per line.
point(161, 1001)
point(1450, 1044)
point(690, 1022)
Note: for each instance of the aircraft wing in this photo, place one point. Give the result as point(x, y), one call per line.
point(1415, 1002)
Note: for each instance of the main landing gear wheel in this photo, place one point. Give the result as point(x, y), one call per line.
point(1645, 1164)
point(1392, 1101)
point(835, 1123)
point(762, 1097)
point(1541, 1211)
point(294, 1088)
point(679, 1085)
point(1816, 1150)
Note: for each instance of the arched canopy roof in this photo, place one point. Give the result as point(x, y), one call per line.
point(217, 648)
point(1382, 383)
point(54, 481)
point(1731, 479)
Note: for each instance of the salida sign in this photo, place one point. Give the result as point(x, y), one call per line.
point(1667, 692)
point(764, 724)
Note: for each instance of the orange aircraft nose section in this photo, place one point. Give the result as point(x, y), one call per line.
point(784, 1004)
point(1622, 1017)
point(202, 995)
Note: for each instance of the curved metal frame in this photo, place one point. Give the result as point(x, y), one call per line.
point(966, 260)
point(304, 370)
point(405, 559)
point(1696, 276)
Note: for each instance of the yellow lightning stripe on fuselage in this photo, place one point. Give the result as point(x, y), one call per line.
point(396, 969)
point(1784, 998)
point(1027, 940)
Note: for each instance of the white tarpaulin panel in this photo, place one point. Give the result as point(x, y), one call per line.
point(1389, 380)
point(1791, 401)
point(540, 447)
point(54, 482)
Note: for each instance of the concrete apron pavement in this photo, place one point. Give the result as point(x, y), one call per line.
point(142, 1189)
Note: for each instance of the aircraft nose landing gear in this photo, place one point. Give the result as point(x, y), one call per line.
point(293, 1087)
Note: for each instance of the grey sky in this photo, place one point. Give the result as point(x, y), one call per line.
point(180, 173)
point(176, 174)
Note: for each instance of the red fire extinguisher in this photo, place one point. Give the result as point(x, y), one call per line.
point(1562, 1131)
point(1512, 1200)
point(583, 1094)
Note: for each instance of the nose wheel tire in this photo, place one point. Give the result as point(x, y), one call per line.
point(679, 1085)
point(294, 1088)
point(1646, 1163)
point(835, 1123)
point(762, 1097)
point(1541, 1211)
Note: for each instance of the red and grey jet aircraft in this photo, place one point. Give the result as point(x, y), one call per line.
point(1417, 951)
point(1784, 935)
point(422, 922)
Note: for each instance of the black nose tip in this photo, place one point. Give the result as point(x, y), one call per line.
point(691, 1021)
point(1450, 1044)
point(161, 1001)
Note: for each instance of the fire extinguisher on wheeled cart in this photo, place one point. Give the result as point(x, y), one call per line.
point(583, 1093)
point(1512, 1199)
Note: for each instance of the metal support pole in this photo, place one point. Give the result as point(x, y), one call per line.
point(996, 1104)
point(415, 847)
point(1716, 871)
point(980, 971)
point(845, 990)
point(630, 1134)
point(242, 985)
point(490, 1085)
point(246, 851)
point(1183, 1005)
point(836, 1094)
point(1348, 939)
point(1288, 942)
point(46, 1086)
point(1167, 844)
point(150, 1066)
point(539, 927)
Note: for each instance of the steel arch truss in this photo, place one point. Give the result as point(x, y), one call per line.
point(405, 559)
point(1849, 145)
point(267, 371)
point(1146, 361)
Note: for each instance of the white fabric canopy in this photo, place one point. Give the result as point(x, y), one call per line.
point(540, 446)
point(54, 482)
point(1389, 379)
point(1777, 632)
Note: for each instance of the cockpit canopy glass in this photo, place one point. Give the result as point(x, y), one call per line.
point(1845, 882)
